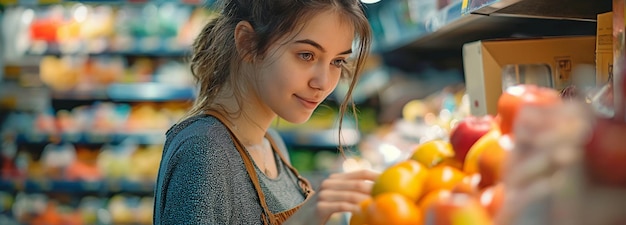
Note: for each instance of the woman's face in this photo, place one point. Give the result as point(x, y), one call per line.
point(296, 77)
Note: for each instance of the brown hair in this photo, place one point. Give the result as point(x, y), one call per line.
point(215, 57)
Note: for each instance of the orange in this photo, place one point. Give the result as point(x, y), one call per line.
point(488, 141)
point(433, 152)
point(431, 197)
point(360, 217)
point(393, 208)
point(406, 178)
point(453, 162)
point(443, 177)
point(458, 209)
point(491, 163)
point(469, 184)
point(492, 198)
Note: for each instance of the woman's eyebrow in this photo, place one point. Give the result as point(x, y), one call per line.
point(318, 46)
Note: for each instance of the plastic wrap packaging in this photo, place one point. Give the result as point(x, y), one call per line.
point(547, 176)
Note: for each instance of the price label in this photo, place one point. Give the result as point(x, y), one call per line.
point(114, 186)
point(149, 44)
point(98, 138)
point(42, 184)
point(35, 137)
point(91, 185)
point(71, 137)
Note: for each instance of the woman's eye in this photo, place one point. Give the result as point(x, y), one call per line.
point(339, 62)
point(306, 56)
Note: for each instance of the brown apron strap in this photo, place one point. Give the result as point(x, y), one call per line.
point(267, 214)
point(305, 185)
point(268, 217)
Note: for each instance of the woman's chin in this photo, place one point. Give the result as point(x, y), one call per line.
point(297, 119)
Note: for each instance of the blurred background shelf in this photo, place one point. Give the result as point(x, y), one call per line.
point(449, 28)
point(156, 137)
point(162, 53)
point(149, 91)
point(107, 187)
point(557, 9)
point(131, 92)
point(320, 139)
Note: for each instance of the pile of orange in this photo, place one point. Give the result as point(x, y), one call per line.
point(433, 186)
point(431, 178)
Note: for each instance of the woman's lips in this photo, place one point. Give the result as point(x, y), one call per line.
point(309, 104)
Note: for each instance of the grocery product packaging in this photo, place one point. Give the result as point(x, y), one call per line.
point(604, 48)
point(547, 176)
point(619, 54)
point(492, 65)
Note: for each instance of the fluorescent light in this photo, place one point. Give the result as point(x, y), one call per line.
point(370, 1)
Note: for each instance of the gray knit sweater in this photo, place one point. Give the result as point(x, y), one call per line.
point(202, 178)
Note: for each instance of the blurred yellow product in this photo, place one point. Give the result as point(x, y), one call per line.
point(433, 152)
point(57, 73)
point(489, 140)
point(120, 212)
point(414, 109)
point(458, 97)
point(69, 31)
point(406, 178)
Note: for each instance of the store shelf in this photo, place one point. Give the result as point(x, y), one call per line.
point(130, 92)
point(455, 25)
point(149, 92)
point(557, 9)
point(77, 187)
point(161, 53)
point(320, 139)
point(91, 138)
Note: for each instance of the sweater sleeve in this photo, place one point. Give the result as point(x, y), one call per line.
point(199, 191)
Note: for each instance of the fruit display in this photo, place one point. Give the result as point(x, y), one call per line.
point(540, 160)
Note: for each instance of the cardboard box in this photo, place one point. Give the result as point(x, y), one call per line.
point(604, 48)
point(543, 61)
point(619, 58)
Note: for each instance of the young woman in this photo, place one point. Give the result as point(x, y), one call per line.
point(257, 61)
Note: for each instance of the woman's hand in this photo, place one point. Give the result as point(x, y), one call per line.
point(341, 192)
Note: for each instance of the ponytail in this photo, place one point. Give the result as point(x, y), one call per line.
point(210, 63)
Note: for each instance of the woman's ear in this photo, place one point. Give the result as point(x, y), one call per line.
point(244, 41)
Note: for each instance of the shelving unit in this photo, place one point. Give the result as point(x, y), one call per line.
point(95, 131)
point(80, 188)
point(471, 20)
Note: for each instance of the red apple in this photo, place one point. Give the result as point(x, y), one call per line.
point(467, 132)
point(515, 97)
point(605, 154)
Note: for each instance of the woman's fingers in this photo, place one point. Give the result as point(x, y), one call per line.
point(343, 192)
point(362, 186)
point(357, 175)
point(325, 209)
point(342, 196)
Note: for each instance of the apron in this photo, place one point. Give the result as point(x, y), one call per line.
point(267, 216)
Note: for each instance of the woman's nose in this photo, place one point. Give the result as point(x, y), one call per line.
point(321, 78)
